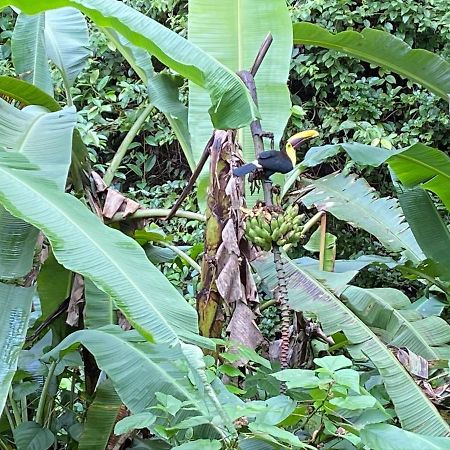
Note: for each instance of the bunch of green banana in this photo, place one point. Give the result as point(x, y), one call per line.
point(266, 227)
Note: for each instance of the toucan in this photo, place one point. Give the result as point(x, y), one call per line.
point(274, 161)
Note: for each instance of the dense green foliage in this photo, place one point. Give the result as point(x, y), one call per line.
point(360, 351)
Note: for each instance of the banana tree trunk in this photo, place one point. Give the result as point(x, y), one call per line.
point(227, 287)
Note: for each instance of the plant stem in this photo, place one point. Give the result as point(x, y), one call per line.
point(12, 425)
point(323, 235)
point(23, 408)
point(41, 405)
point(15, 408)
point(311, 222)
point(157, 213)
point(182, 255)
point(429, 278)
point(122, 150)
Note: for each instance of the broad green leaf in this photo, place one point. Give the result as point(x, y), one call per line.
point(124, 357)
point(113, 261)
point(307, 294)
point(298, 378)
point(365, 155)
point(428, 228)
point(53, 285)
point(390, 310)
point(351, 199)
point(101, 417)
point(67, 41)
point(204, 444)
point(333, 363)
point(353, 402)
point(98, 308)
point(271, 411)
point(427, 167)
point(388, 437)
point(135, 421)
point(15, 307)
point(26, 93)
point(32, 436)
point(232, 32)
point(348, 378)
point(385, 50)
point(278, 433)
point(232, 106)
point(29, 53)
point(46, 140)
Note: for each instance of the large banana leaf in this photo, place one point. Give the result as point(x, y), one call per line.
point(233, 31)
point(428, 167)
point(232, 106)
point(416, 165)
point(113, 261)
point(60, 35)
point(99, 308)
point(67, 41)
point(385, 50)
point(28, 51)
point(26, 93)
point(125, 357)
point(429, 229)
point(45, 139)
point(388, 437)
point(353, 200)
point(15, 307)
point(307, 294)
point(390, 310)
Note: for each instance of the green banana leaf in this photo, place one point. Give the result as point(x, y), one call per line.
point(427, 167)
point(100, 418)
point(114, 262)
point(45, 139)
point(99, 308)
point(388, 437)
point(28, 51)
point(26, 93)
point(429, 229)
point(307, 294)
point(15, 307)
point(67, 41)
point(416, 165)
point(351, 199)
point(54, 283)
point(124, 357)
point(232, 106)
point(232, 32)
point(390, 310)
point(384, 50)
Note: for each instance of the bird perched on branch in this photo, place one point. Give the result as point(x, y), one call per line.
point(274, 161)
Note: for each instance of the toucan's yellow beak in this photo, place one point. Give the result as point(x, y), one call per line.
point(298, 138)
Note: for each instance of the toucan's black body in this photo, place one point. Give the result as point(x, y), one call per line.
point(271, 162)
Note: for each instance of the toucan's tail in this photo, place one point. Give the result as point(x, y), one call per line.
point(245, 169)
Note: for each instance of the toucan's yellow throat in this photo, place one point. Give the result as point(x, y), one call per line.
point(296, 140)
